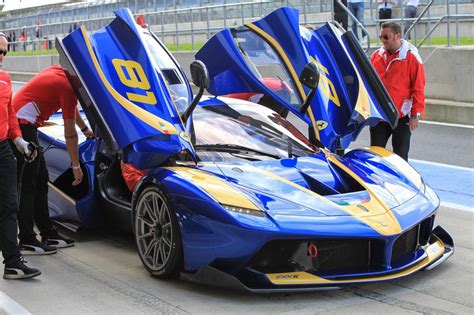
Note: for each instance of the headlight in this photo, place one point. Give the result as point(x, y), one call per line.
point(257, 213)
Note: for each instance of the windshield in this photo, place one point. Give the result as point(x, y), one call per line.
point(265, 64)
point(173, 78)
point(265, 133)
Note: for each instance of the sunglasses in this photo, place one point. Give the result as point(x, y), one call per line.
point(3, 52)
point(383, 37)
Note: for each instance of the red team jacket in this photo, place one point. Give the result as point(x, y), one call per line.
point(44, 95)
point(403, 76)
point(8, 122)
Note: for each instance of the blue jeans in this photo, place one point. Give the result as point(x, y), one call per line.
point(358, 10)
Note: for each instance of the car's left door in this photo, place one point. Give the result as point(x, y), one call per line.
point(133, 88)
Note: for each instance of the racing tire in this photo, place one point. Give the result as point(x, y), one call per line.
point(157, 234)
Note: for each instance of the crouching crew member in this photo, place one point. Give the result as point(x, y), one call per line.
point(34, 103)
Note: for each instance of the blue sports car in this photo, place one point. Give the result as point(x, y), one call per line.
point(231, 191)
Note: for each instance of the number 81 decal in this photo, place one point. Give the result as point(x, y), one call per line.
point(132, 75)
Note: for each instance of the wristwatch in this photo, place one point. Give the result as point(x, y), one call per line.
point(417, 116)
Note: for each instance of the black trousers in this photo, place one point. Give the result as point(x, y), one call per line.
point(400, 136)
point(8, 205)
point(340, 15)
point(33, 206)
point(385, 13)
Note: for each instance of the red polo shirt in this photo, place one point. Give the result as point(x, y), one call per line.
point(8, 122)
point(44, 95)
point(403, 76)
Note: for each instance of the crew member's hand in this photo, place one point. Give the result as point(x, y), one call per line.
point(22, 146)
point(88, 133)
point(413, 123)
point(77, 171)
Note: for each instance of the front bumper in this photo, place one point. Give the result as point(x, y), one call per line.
point(439, 248)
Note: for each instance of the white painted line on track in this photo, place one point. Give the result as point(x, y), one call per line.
point(428, 122)
point(462, 168)
point(10, 306)
point(456, 206)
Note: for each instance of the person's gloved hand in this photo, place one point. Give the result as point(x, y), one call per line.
point(24, 147)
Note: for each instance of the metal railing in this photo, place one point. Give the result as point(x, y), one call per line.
point(355, 20)
point(195, 25)
point(425, 18)
point(469, 17)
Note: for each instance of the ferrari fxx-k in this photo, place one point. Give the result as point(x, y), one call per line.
point(231, 189)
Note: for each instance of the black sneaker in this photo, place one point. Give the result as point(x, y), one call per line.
point(57, 241)
point(19, 270)
point(37, 248)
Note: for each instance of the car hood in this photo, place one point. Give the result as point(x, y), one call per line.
point(319, 184)
point(116, 74)
point(349, 95)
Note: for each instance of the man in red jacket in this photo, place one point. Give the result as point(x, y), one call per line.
point(15, 267)
point(400, 68)
point(34, 103)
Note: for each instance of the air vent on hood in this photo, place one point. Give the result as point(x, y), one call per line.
point(343, 183)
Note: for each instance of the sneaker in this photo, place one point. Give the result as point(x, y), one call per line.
point(37, 248)
point(19, 270)
point(57, 241)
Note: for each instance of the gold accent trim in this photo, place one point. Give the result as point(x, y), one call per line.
point(327, 87)
point(378, 217)
point(59, 191)
point(385, 223)
point(382, 152)
point(362, 105)
point(433, 251)
point(289, 66)
point(220, 190)
point(145, 116)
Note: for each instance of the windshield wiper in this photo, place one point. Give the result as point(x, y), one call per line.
point(232, 148)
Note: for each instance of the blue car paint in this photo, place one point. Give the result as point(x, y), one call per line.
point(230, 74)
point(139, 142)
point(210, 234)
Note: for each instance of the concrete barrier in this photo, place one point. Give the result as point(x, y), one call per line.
point(449, 73)
point(449, 79)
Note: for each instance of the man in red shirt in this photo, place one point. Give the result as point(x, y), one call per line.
point(400, 68)
point(15, 267)
point(34, 103)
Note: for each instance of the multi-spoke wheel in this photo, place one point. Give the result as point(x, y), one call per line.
point(157, 234)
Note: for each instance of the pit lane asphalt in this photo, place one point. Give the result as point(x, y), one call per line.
point(102, 274)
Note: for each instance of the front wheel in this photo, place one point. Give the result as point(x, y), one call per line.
point(157, 234)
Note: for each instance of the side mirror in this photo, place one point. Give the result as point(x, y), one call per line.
point(200, 78)
point(309, 77)
point(199, 74)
